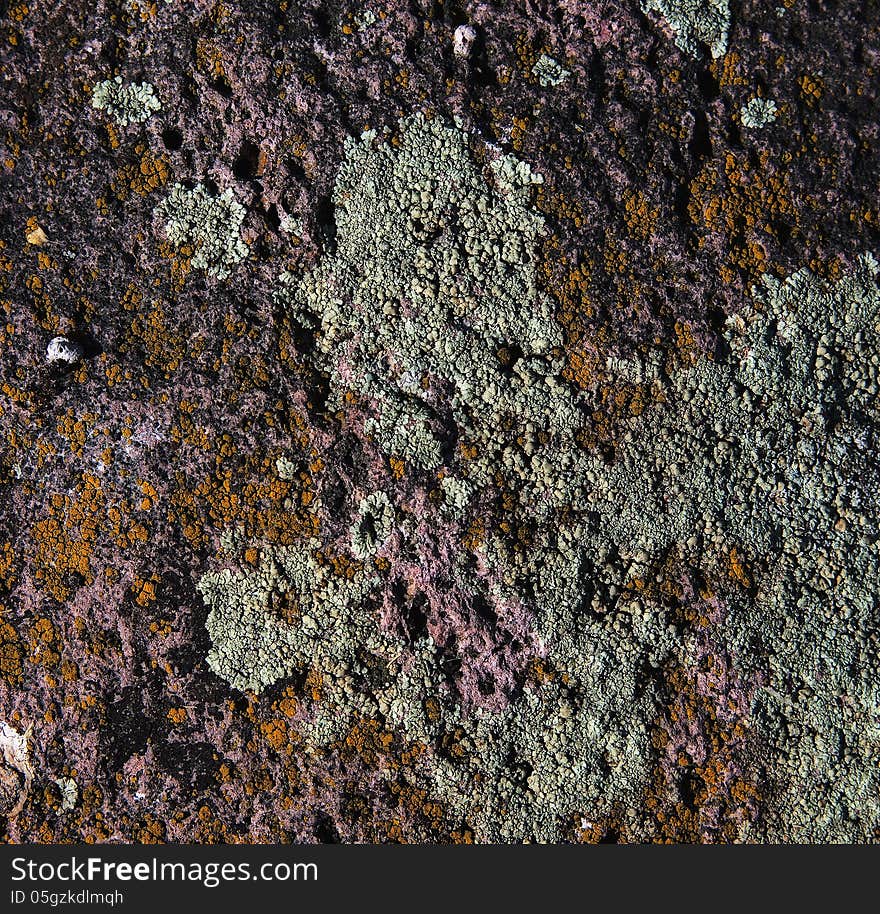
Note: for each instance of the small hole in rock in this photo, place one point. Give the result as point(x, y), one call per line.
point(221, 85)
point(172, 138)
point(485, 686)
point(245, 166)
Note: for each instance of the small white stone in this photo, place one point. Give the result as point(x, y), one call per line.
point(61, 349)
point(463, 41)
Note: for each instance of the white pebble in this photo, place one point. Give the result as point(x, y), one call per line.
point(61, 349)
point(463, 40)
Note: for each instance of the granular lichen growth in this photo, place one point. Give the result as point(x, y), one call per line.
point(209, 226)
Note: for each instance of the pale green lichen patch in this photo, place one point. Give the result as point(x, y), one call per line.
point(755, 426)
point(69, 791)
point(549, 72)
point(580, 739)
point(373, 526)
point(211, 225)
point(771, 452)
point(813, 363)
point(253, 645)
point(758, 112)
point(126, 104)
point(695, 22)
point(582, 743)
point(286, 468)
point(457, 495)
point(767, 452)
point(433, 274)
point(292, 614)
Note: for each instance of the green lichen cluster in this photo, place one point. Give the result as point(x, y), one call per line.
point(581, 743)
point(813, 364)
point(253, 644)
point(772, 451)
point(126, 104)
point(433, 276)
point(549, 72)
point(373, 526)
point(695, 22)
point(766, 452)
point(293, 614)
point(769, 451)
point(209, 225)
point(758, 112)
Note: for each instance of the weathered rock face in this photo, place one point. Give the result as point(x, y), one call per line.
point(438, 425)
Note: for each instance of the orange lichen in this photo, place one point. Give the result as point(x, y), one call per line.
point(686, 347)
point(314, 684)
point(276, 734)
point(827, 268)
point(145, 591)
point(44, 644)
point(162, 628)
point(527, 55)
point(11, 652)
point(588, 829)
point(811, 87)
point(517, 132)
point(640, 217)
point(112, 136)
point(707, 800)
point(75, 430)
point(34, 234)
point(397, 467)
point(149, 173)
point(151, 831)
point(7, 573)
point(65, 539)
point(286, 705)
point(749, 205)
point(18, 12)
point(738, 569)
point(264, 507)
point(540, 673)
point(728, 70)
point(370, 743)
point(209, 59)
point(145, 10)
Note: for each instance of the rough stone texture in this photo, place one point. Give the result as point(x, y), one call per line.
point(453, 439)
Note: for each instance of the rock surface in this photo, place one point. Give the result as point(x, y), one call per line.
point(439, 422)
